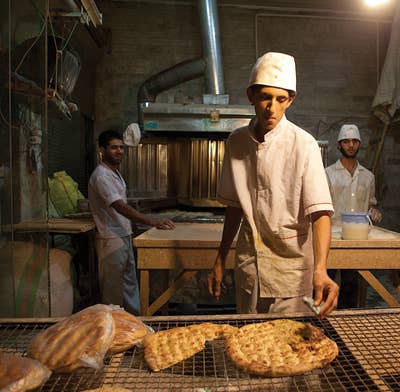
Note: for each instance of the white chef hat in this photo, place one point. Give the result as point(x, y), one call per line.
point(132, 135)
point(349, 131)
point(275, 70)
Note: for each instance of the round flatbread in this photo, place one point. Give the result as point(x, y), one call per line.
point(280, 348)
point(108, 389)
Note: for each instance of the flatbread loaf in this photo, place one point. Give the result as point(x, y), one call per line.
point(215, 331)
point(166, 348)
point(280, 348)
point(79, 340)
point(129, 330)
point(19, 374)
point(108, 389)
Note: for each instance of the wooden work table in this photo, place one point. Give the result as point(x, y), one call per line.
point(193, 246)
point(55, 225)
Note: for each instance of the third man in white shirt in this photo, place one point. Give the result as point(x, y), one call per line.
point(352, 188)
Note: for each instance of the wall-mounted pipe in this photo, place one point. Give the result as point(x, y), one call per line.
point(179, 73)
point(214, 73)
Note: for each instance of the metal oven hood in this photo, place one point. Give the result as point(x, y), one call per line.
point(204, 118)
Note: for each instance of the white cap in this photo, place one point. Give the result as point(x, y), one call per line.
point(275, 70)
point(132, 135)
point(349, 131)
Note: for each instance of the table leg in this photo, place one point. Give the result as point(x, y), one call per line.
point(178, 283)
point(144, 292)
point(164, 308)
point(396, 283)
point(380, 289)
point(362, 293)
point(93, 268)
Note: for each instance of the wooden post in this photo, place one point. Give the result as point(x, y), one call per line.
point(379, 149)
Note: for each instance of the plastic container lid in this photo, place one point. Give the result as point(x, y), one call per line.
point(355, 217)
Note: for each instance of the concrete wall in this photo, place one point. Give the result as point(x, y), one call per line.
point(339, 52)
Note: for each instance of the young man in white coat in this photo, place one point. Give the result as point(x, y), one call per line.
point(274, 186)
point(113, 215)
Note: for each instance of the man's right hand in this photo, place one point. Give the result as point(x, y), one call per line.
point(164, 224)
point(215, 279)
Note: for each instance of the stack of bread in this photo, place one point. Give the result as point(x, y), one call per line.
point(81, 340)
point(85, 338)
point(19, 374)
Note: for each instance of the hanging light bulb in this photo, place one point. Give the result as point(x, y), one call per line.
point(373, 3)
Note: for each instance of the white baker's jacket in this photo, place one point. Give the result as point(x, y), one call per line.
point(106, 187)
point(278, 183)
point(350, 193)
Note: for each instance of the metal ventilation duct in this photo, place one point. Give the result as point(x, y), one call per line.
point(214, 115)
point(179, 73)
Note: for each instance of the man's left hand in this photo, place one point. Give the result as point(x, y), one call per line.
point(326, 291)
point(375, 214)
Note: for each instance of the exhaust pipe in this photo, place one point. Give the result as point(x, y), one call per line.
point(214, 73)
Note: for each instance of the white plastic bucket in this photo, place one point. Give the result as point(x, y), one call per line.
point(355, 225)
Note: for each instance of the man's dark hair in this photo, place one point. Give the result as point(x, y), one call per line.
point(257, 87)
point(108, 135)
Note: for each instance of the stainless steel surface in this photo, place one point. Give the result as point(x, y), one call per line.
point(198, 109)
point(203, 171)
point(369, 358)
point(214, 74)
point(196, 217)
point(165, 117)
point(145, 169)
point(154, 169)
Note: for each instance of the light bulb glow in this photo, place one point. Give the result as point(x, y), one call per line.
point(373, 3)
